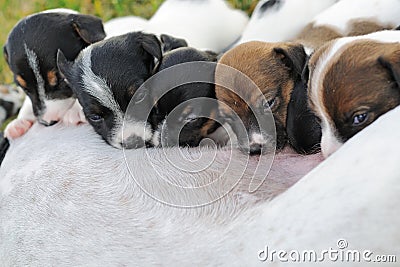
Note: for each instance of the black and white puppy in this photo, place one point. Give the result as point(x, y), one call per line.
point(105, 76)
point(184, 114)
point(30, 52)
point(11, 98)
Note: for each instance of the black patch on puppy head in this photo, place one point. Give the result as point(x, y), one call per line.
point(197, 126)
point(267, 5)
point(36, 40)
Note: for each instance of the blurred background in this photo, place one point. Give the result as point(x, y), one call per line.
point(13, 10)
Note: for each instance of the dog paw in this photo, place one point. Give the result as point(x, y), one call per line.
point(17, 128)
point(74, 116)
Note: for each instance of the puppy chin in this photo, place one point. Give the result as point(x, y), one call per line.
point(55, 110)
point(329, 144)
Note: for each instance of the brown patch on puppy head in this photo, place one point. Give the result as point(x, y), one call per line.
point(364, 81)
point(362, 27)
point(271, 67)
point(21, 81)
point(315, 36)
point(52, 78)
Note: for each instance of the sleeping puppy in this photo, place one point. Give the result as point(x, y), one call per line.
point(350, 18)
point(353, 81)
point(30, 52)
point(105, 76)
point(182, 113)
point(11, 98)
point(281, 20)
point(276, 70)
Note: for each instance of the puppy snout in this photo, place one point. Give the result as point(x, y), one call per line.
point(133, 142)
point(47, 123)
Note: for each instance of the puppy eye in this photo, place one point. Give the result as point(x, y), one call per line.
point(95, 118)
point(267, 105)
point(360, 119)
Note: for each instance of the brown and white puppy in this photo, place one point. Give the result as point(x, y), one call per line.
point(274, 70)
point(349, 18)
point(353, 81)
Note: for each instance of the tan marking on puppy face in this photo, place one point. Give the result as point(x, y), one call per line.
point(209, 126)
point(21, 81)
point(359, 83)
point(52, 78)
point(264, 67)
point(315, 36)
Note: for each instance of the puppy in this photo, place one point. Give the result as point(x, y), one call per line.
point(184, 114)
point(207, 24)
point(349, 18)
point(30, 52)
point(105, 77)
point(281, 20)
point(275, 68)
point(353, 81)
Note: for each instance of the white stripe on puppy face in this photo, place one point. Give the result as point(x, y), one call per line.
point(97, 87)
point(34, 64)
point(329, 141)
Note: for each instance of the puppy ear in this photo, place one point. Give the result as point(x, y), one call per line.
point(64, 66)
point(89, 28)
point(5, 53)
point(152, 45)
point(170, 43)
point(294, 57)
point(392, 64)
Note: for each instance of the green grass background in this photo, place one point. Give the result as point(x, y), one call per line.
point(13, 10)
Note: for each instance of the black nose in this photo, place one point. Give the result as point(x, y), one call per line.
point(255, 149)
point(45, 123)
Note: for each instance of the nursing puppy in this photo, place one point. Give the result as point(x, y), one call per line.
point(30, 52)
point(276, 69)
point(350, 18)
point(281, 20)
point(105, 76)
point(184, 113)
point(353, 81)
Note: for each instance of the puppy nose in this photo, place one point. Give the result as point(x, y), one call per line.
point(255, 149)
point(133, 142)
point(45, 123)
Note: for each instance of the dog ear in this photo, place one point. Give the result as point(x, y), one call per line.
point(294, 57)
point(170, 43)
point(152, 45)
point(392, 63)
point(89, 28)
point(5, 53)
point(64, 66)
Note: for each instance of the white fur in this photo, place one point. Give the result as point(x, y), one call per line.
point(67, 199)
point(57, 108)
point(283, 24)
point(257, 139)
point(206, 24)
point(385, 12)
point(329, 141)
point(122, 25)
